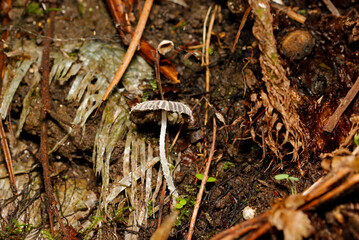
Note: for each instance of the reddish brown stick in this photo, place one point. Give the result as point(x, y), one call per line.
point(333, 120)
point(203, 184)
point(244, 19)
point(145, 50)
point(5, 11)
point(132, 48)
point(45, 97)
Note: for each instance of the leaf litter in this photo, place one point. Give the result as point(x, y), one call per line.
point(92, 69)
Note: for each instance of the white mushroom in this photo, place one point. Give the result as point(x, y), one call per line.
point(140, 114)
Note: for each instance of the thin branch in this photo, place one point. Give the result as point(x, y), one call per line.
point(243, 21)
point(8, 159)
point(6, 8)
point(132, 48)
point(333, 120)
point(45, 97)
point(203, 184)
point(331, 7)
point(290, 13)
point(208, 73)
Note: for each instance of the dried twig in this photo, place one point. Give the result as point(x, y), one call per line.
point(244, 19)
point(290, 13)
point(7, 6)
point(203, 184)
point(208, 73)
point(45, 97)
point(146, 51)
point(132, 48)
point(331, 7)
point(333, 120)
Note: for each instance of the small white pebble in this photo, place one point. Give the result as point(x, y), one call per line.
point(249, 213)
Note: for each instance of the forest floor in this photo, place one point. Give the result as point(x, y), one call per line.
point(320, 65)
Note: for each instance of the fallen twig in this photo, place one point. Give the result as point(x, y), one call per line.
point(208, 73)
point(203, 184)
point(333, 120)
point(132, 48)
point(331, 7)
point(45, 98)
point(244, 19)
point(290, 13)
point(7, 6)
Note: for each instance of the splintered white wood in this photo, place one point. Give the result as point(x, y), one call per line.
point(169, 106)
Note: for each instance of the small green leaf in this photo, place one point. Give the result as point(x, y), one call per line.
point(293, 178)
point(356, 139)
point(281, 176)
point(210, 51)
point(183, 202)
point(178, 206)
point(211, 179)
point(199, 176)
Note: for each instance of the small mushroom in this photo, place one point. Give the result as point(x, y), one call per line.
point(156, 111)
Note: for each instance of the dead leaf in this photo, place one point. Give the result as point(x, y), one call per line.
point(294, 223)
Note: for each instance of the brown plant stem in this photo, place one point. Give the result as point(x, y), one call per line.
point(331, 7)
point(243, 22)
point(7, 6)
point(132, 48)
point(145, 50)
point(203, 184)
point(290, 13)
point(45, 98)
point(333, 120)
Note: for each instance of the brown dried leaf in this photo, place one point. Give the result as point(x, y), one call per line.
point(294, 223)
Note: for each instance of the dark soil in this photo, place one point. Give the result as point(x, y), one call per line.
point(245, 177)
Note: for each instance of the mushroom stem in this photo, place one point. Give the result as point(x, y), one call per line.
point(163, 159)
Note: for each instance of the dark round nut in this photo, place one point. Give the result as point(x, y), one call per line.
point(297, 44)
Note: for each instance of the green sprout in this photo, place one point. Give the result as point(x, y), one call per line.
point(356, 139)
point(181, 203)
point(34, 8)
point(46, 234)
point(153, 84)
point(227, 165)
point(210, 179)
point(290, 180)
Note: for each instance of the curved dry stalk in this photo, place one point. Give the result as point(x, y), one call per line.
point(244, 20)
point(6, 8)
point(208, 73)
point(132, 48)
point(203, 184)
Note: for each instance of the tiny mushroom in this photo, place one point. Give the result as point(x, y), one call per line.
point(157, 111)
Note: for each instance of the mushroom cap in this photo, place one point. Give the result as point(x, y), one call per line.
point(150, 111)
